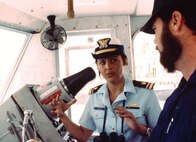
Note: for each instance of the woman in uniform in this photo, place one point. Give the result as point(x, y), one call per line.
point(121, 109)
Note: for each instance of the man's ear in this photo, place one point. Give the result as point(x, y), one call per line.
point(176, 21)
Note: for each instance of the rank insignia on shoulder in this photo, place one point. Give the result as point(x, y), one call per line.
point(94, 89)
point(143, 84)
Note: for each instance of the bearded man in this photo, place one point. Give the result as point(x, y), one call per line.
point(174, 24)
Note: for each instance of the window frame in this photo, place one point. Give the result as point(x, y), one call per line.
point(10, 76)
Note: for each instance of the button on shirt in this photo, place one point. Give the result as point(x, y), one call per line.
point(139, 101)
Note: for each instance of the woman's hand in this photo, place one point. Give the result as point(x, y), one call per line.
point(130, 120)
point(59, 107)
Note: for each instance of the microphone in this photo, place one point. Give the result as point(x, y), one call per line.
point(70, 12)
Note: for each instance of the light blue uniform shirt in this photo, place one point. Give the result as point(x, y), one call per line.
point(141, 102)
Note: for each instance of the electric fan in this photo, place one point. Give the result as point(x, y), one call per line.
point(54, 36)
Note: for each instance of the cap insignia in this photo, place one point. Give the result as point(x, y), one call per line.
point(103, 43)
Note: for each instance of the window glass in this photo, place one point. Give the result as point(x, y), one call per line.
point(12, 45)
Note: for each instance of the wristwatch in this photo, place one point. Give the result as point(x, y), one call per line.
point(148, 131)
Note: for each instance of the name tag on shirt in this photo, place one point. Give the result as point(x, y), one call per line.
point(132, 107)
point(99, 108)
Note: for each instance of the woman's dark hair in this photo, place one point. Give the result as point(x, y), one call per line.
point(124, 58)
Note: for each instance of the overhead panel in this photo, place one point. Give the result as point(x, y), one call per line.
point(144, 7)
point(19, 20)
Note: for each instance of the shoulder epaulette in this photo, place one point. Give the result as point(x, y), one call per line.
point(143, 84)
point(94, 89)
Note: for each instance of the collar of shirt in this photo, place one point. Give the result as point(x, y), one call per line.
point(128, 89)
point(192, 78)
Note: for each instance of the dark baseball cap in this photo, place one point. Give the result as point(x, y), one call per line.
point(108, 47)
point(160, 5)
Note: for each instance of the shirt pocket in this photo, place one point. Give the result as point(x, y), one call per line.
point(138, 115)
point(136, 112)
point(98, 113)
point(98, 116)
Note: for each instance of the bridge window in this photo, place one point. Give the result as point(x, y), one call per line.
point(12, 48)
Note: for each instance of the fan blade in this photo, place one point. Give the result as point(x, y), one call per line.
point(46, 43)
point(53, 46)
point(61, 40)
point(56, 45)
point(50, 46)
point(56, 32)
point(49, 37)
point(59, 34)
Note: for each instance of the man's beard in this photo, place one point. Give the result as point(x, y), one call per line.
point(172, 49)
